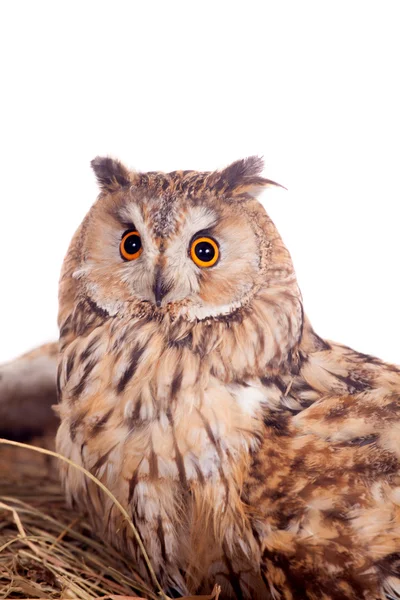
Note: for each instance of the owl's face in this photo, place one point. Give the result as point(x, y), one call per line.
point(185, 243)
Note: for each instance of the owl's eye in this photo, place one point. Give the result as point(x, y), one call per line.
point(131, 245)
point(204, 252)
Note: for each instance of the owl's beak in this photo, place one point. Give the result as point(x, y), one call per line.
point(160, 288)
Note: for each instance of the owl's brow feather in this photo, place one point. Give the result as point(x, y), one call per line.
point(164, 218)
point(127, 226)
point(207, 231)
point(117, 213)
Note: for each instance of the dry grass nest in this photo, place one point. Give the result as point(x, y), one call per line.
point(46, 549)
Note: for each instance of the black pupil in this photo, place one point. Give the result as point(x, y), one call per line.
point(204, 251)
point(132, 244)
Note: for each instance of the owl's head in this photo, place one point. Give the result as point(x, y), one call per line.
point(189, 244)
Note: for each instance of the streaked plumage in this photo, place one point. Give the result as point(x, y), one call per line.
point(249, 451)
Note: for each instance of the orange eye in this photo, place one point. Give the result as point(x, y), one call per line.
point(131, 245)
point(204, 252)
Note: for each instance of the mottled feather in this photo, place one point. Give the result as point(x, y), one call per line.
point(248, 450)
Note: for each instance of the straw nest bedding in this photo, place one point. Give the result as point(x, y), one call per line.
point(46, 549)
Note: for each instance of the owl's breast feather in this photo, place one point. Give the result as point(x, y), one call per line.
point(168, 438)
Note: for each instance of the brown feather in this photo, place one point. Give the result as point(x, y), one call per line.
point(249, 451)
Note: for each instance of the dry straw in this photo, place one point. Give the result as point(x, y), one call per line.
point(47, 551)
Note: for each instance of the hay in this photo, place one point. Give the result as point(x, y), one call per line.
point(46, 549)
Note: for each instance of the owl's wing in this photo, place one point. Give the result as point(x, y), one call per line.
point(27, 393)
point(326, 481)
point(328, 515)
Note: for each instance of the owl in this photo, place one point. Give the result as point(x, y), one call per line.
point(248, 451)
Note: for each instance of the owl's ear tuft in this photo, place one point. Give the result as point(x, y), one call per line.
point(242, 170)
point(110, 173)
point(243, 176)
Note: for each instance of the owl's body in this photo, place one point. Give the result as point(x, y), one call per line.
point(248, 450)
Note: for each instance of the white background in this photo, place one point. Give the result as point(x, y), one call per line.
point(314, 87)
